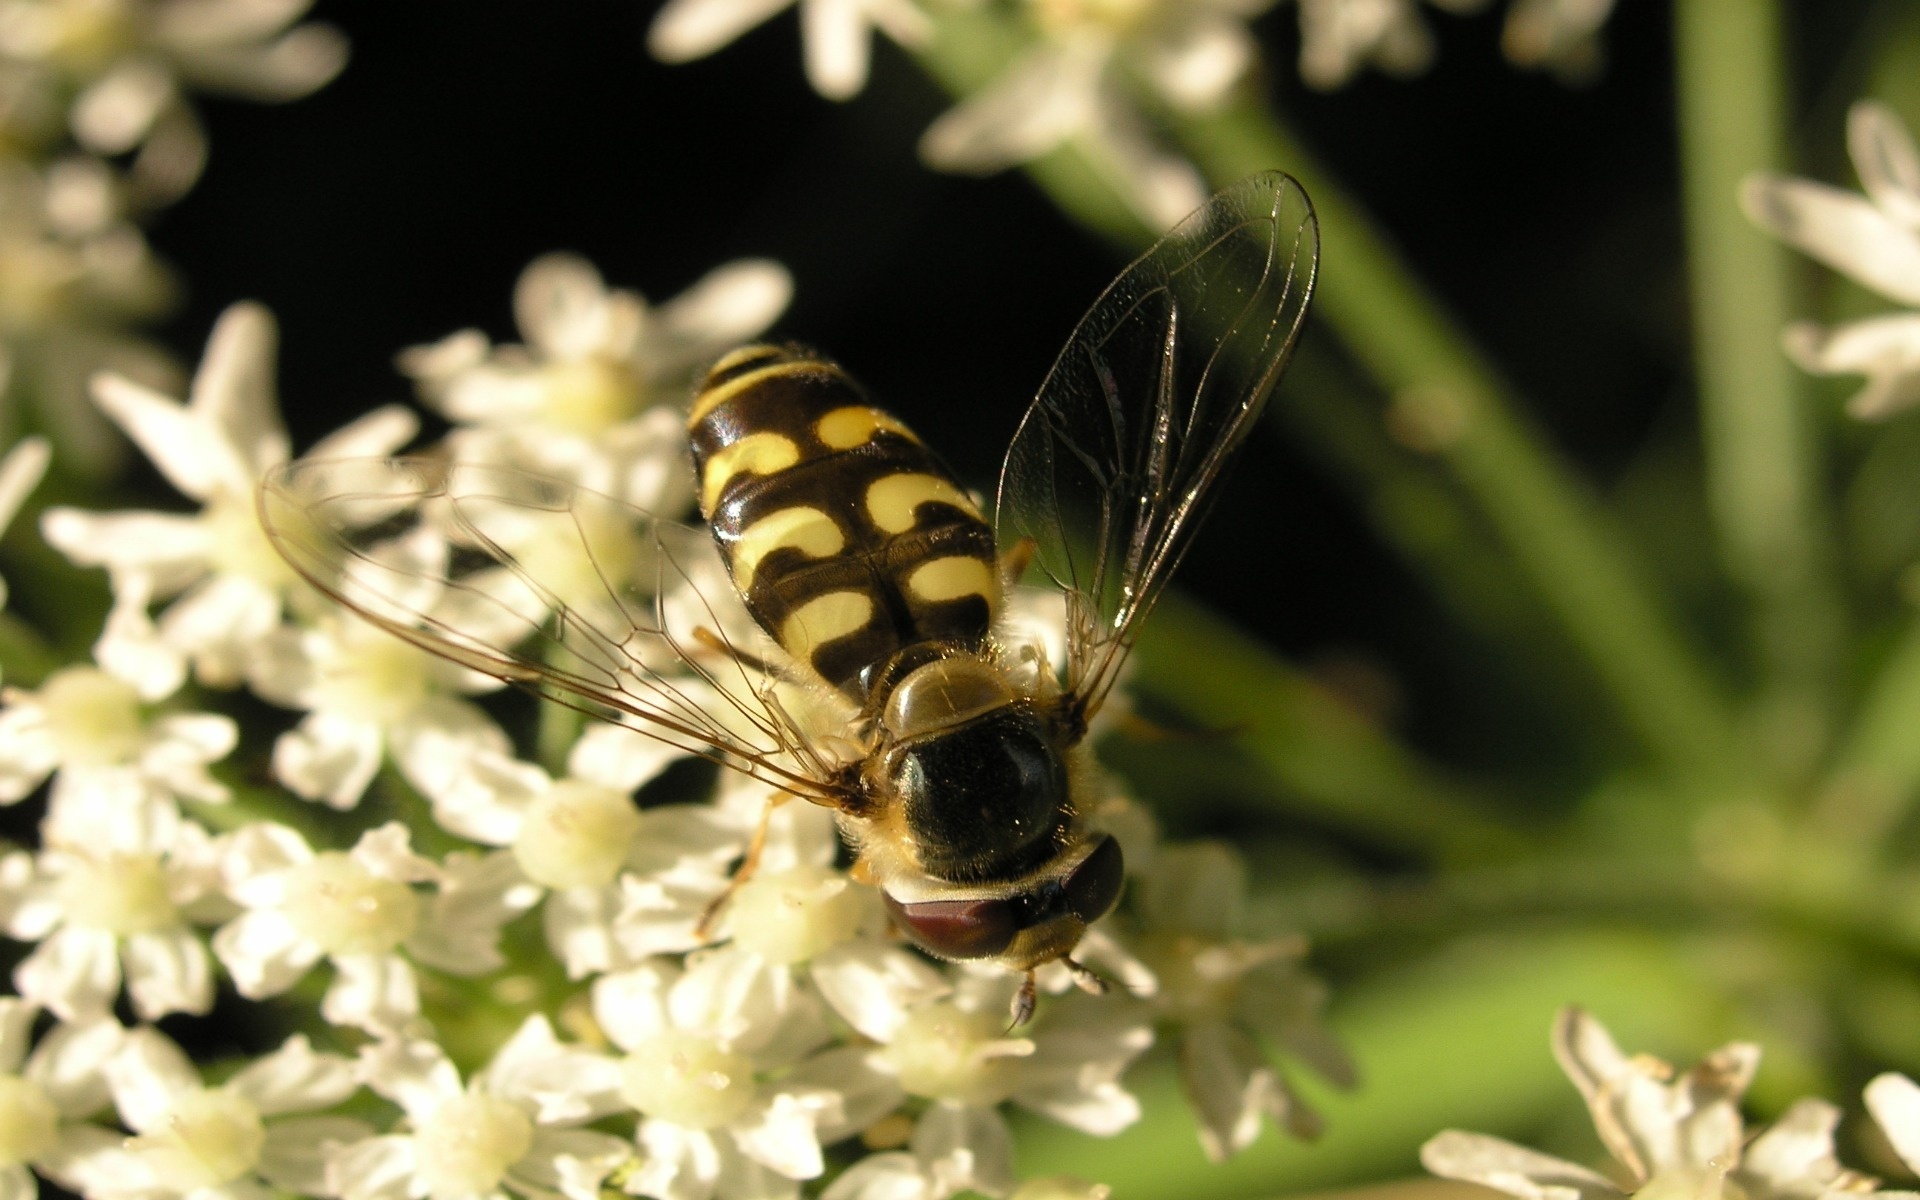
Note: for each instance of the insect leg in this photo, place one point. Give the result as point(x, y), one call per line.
point(749, 863)
point(1023, 1001)
point(712, 640)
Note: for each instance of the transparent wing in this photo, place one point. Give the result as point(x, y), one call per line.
point(1113, 466)
point(562, 591)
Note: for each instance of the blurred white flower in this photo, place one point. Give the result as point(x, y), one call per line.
point(93, 728)
point(114, 895)
point(73, 274)
point(597, 394)
point(512, 1128)
point(231, 586)
point(1561, 35)
point(835, 33)
point(47, 1094)
point(1670, 1136)
point(1229, 998)
point(360, 909)
point(126, 64)
point(1874, 238)
point(1339, 37)
point(1894, 1101)
point(232, 1141)
point(1076, 83)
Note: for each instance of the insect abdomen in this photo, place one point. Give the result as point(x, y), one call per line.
point(847, 539)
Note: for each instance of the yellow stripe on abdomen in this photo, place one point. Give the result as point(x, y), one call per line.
point(893, 501)
point(754, 454)
point(855, 425)
point(808, 530)
point(714, 397)
point(824, 619)
point(951, 578)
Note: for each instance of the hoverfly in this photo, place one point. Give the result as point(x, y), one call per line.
point(954, 755)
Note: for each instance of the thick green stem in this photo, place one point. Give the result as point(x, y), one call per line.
point(1552, 527)
point(1331, 762)
point(1761, 448)
point(1882, 751)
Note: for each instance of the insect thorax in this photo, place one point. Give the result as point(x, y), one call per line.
point(847, 539)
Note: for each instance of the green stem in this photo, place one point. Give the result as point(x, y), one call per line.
point(1421, 514)
point(1761, 449)
point(1549, 523)
point(1881, 750)
point(26, 659)
point(1331, 762)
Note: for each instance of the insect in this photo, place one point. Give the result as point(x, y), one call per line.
point(857, 578)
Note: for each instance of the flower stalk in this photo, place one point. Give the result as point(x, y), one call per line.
point(1760, 444)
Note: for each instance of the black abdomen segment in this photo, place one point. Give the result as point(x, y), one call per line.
point(847, 539)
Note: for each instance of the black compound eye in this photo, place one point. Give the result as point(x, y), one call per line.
point(1094, 887)
point(955, 929)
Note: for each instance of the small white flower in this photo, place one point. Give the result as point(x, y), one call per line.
point(597, 394)
point(232, 587)
point(76, 272)
point(1874, 238)
point(835, 33)
point(514, 1127)
point(368, 692)
point(1338, 37)
point(114, 895)
point(125, 62)
point(46, 1098)
point(1074, 84)
point(1670, 1136)
point(359, 909)
point(1227, 996)
point(95, 731)
point(699, 1049)
point(957, 1052)
point(624, 883)
point(1561, 35)
point(229, 1142)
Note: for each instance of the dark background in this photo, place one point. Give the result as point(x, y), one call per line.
point(468, 136)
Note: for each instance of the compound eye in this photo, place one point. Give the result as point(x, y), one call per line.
point(1094, 887)
point(955, 929)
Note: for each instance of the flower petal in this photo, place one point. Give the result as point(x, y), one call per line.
point(75, 973)
point(149, 1076)
point(1884, 155)
point(835, 46)
point(167, 972)
point(1840, 229)
point(688, 29)
point(295, 1078)
point(1894, 1101)
point(1516, 1170)
point(295, 1155)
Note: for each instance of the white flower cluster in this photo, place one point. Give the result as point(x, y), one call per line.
point(656, 1024)
point(96, 132)
point(1682, 1135)
point(1874, 238)
point(1093, 67)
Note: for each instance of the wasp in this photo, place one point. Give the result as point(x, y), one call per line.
point(855, 577)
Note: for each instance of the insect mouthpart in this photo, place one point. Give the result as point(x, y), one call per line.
point(1035, 924)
